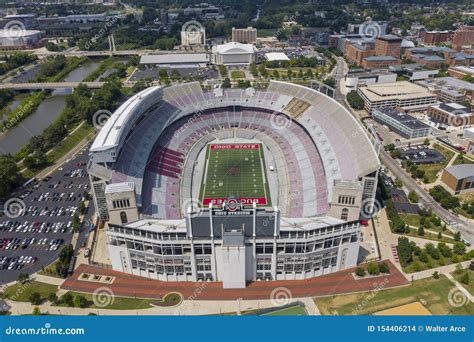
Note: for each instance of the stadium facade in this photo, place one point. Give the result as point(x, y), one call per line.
point(176, 212)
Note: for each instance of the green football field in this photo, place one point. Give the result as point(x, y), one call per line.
point(235, 170)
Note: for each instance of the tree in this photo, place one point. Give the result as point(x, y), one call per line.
point(445, 250)
point(10, 177)
point(226, 83)
point(405, 250)
point(53, 298)
point(471, 265)
point(81, 207)
point(435, 254)
point(76, 223)
point(426, 142)
point(413, 197)
point(398, 183)
point(355, 100)
point(36, 311)
point(459, 248)
point(383, 268)
point(68, 299)
point(436, 274)
point(23, 277)
point(373, 268)
point(360, 272)
point(457, 236)
point(330, 81)
point(35, 298)
point(80, 301)
point(421, 231)
point(424, 256)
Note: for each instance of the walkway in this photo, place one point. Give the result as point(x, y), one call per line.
point(128, 285)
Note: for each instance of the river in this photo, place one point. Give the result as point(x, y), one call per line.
point(16, 138)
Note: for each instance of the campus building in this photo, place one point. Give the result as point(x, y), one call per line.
point(404, 124)
point(244, 35)
point(233, 54)
point(459, 179)
point(450, 115)
point(405, 95)
point(294, 215)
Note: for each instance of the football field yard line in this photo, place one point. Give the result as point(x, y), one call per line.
point(240, 171)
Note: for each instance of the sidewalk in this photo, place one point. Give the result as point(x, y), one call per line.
point(186, 308)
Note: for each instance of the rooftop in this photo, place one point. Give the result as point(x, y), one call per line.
point(276, 56)
point(178, 58)
point(119, 187)
point(395, 90)
point(391, 38)
point(403, 118)
point(233, 47)
point(380, 58)
point(461, 171)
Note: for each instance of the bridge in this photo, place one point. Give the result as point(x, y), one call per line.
point(49, 85)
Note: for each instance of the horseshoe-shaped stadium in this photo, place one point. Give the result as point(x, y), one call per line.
point(233, 185)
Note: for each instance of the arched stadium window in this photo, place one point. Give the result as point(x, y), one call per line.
point(344, 214)
point(123, 217)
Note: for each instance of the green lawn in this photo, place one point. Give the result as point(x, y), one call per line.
point(470, 286)
point(434, 292)
point(237, 74)
point(117, 303)
point(431, 170)
point(69, 142)
point(234, 172)
point(293, 311)
point(22, 292)
point(414, 221)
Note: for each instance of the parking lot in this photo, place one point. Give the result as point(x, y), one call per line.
point(38, 222)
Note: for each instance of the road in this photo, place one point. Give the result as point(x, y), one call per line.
point(465, 228)
point(428, 202)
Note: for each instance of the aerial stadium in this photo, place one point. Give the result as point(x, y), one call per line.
point(233, 185)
